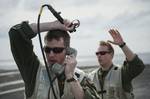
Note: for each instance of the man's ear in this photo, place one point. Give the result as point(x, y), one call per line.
point(112, 55)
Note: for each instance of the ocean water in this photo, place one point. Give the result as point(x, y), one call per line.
point(82, 61)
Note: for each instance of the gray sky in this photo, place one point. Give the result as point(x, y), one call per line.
point(130, 17)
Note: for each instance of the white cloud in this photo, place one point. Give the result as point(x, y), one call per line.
point(131, 17)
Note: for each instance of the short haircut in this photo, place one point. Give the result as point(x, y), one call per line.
point(109, 46)
point(57, 34)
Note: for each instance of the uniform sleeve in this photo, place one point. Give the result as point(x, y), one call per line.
point(22, 49)
point(130, 70)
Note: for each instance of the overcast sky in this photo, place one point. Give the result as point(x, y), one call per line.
point(130, 17)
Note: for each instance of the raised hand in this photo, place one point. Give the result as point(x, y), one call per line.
point(117, 38)
point(70, 66)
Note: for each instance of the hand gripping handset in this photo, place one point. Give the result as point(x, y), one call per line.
point(74, 23)
point(59, 69)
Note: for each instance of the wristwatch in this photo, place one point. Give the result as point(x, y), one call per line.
point(72, 79)
point(122, 45)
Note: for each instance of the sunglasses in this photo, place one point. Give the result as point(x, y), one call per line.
point(102, 52)
point(55, 50)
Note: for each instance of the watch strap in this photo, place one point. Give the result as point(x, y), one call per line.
point(71, 80)
point(122, 45)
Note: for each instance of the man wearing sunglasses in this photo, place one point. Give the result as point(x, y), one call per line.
point(111, 81)
point(34, 74)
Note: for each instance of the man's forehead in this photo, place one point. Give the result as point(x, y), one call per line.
point(102, 48)
point(55, 42)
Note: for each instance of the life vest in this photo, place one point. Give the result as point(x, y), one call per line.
point(43, 89)
point(112, 87)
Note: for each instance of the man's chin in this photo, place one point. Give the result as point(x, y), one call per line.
point(101, 64)
point(51, 63)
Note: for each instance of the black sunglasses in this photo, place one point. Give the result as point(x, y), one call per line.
point(56, 50)
point(102, 52)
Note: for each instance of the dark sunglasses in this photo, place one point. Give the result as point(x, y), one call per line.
point(102, 52)
point(56, 50)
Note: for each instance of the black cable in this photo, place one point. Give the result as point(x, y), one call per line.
point(61, 20)
point(41, 45)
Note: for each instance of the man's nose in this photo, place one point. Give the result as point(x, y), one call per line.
point(99, 55)
point(51, 53)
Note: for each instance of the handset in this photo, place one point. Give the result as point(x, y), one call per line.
point(71, 52)
point(59, 69)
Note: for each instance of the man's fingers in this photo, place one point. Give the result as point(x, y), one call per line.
point(112, 33)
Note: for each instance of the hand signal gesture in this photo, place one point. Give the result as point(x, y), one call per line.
point(118, 40)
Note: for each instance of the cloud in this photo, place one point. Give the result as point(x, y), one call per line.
point(96, 16)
